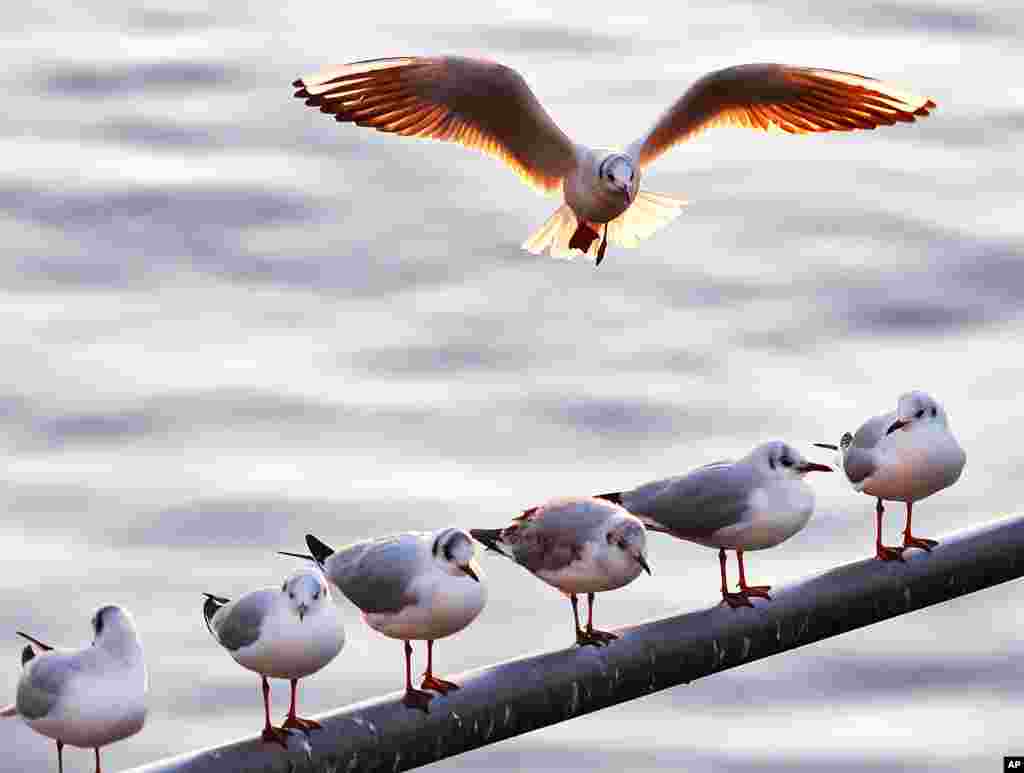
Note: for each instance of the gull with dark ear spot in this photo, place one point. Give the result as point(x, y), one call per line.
point(288, 633)
point(578, 545)
point(754, 503)
point(416, 586)
point(902, 456)
point(90, 697)
point(486, 106)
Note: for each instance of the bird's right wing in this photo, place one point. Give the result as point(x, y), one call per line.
point(41, 683)
point(796, 100)
point(479, 104)
point(238, 623)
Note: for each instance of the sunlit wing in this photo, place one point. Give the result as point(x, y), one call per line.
point(479, 104)
point(797, 100)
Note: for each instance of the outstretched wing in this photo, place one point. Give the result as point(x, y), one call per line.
point(478, 104)
point(797, 100)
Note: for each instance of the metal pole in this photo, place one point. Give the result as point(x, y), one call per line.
point(517, 696)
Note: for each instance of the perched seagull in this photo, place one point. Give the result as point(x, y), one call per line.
point(488, 107)
point(285, 633)
point(903, 457)
point(412, 586)
point(88, 697)
point(751, 504)
point(577, 545)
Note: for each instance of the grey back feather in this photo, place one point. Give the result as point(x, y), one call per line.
point(238, 623)
point(40, 685)
point(697, 504)
point(858, 459)
point(552, 537)
point(375, 575)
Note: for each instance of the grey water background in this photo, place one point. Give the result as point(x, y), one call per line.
point(227, 321)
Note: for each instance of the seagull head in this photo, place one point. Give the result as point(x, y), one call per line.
point(628, 536)
point(114, 630)
point(305, 591)
point(456, 552)
point(619, 176)
point(916, 409)
point(782, 460)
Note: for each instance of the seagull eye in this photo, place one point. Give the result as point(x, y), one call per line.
point(316, 595)
point(787, 462)
point(919, 414)
point(934, 411)
point(622, 544)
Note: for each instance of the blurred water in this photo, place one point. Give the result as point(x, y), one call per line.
point(227, 321)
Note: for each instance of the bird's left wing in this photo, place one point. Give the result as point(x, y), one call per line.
point(479, 104)
point(797, 100)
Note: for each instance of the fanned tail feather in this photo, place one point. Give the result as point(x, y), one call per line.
point(648, 213)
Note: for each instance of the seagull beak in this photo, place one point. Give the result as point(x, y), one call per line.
point(303, 609)
point(898, 424)
point(828, 446)
point(643, 563)
point(813, 467)
point(470, 571)
point(626, 193)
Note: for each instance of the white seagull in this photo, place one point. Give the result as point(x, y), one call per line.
point(577, 545)
point(488, 107)
point(754, 503)
point(285, 633)
point(903, 456)
point(88, 697)
point(414, 586)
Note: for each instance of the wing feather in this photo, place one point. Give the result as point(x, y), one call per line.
point(796, 100)
point(479, 104)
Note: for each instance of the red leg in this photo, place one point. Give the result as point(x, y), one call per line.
point(60, 757)
point(270, 733)
point(431, 682)
point(97, 751)
point(910, 541)
point(761, 591)
point(414, 699)
point(883, 553)
point(732, 599)
point(293, 722)
point(602, 637)
point(584, 237)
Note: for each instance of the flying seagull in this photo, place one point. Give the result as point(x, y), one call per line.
point(577, 545)
point(286, 633)
point(488, 107)
point(753, 503)
point(903, 456)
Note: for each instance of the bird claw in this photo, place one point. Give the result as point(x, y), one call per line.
point(594, 637)
point(442, 686)
point(417, 699)
point(735, 600)
point(298, 723)
point(758, 591)
point(276, 735)
point(883, 553)
point(910, 541)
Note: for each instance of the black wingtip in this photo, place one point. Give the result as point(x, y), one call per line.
point(305, 556)
point(320, 550)
point(297, 83)
point(489, 538)
point(614, 497)
point(210, 608)
point(829, 446)
point(35, 641)
point(27, 654)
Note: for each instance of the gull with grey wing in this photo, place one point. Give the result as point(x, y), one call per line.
point(90, 697)
point(902, 456)
point(488, 107)
point(754, 503)
point(288, 633)
point(411, 586)
point(578, 545)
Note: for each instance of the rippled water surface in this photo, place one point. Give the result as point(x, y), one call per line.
point(227, 321)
